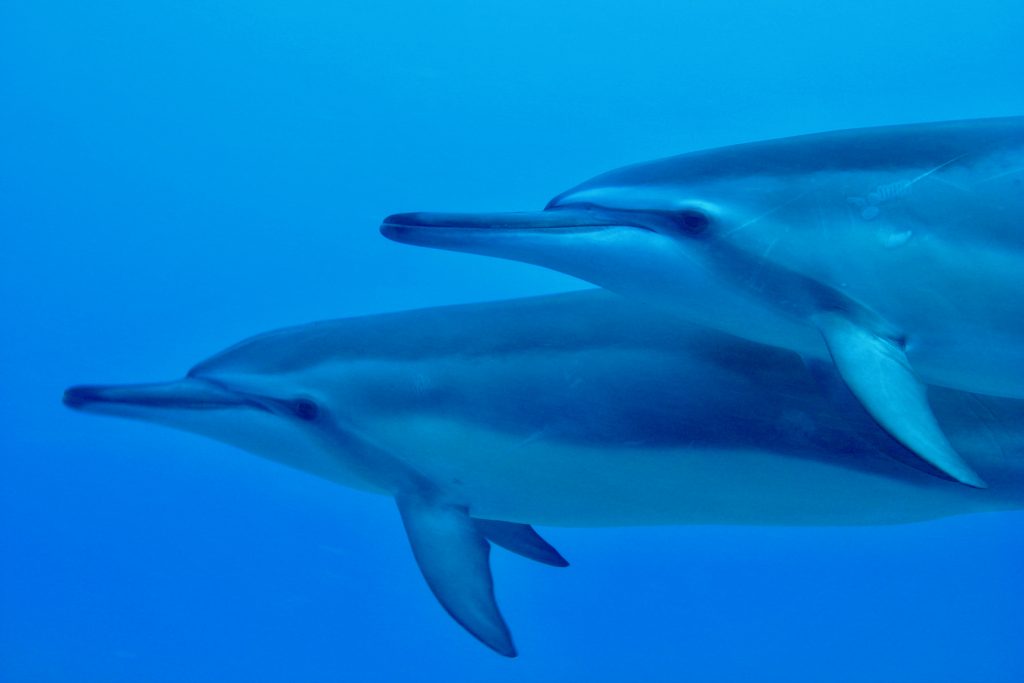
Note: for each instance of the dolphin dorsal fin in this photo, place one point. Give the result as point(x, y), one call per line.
point(454, 557)
point(521, 539)
point(877, 371)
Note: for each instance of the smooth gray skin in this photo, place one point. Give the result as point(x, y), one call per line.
point(580, 409)
point(897, 251)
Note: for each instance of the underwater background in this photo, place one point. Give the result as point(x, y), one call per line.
point(176, 176)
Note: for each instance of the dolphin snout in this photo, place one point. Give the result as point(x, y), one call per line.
point(88, 396)
point(77, 397)
point(84, 396)
point(450, 229)
point(189, 393)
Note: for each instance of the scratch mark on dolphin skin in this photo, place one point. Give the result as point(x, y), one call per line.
point(941, 166)
point(871, 205)
point(976, 403)
point(765, 254)
point(997, 176)
point(767, 213)
point(421, 384)
point(537, 435)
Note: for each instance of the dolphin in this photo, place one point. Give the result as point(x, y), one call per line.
point(895, 252)
point(580, 409)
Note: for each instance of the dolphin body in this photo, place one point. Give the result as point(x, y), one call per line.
point(580, 409)
point(896, 252)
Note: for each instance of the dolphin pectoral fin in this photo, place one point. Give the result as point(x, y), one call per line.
point(878, 373)
point(454, 557)
point(521, 539)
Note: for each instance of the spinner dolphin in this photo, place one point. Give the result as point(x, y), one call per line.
point(580, 409)
point(895, 252)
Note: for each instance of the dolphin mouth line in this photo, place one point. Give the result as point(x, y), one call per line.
point(198, 396)
point(406, 226)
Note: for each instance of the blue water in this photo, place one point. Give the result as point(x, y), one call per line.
point(175, 176)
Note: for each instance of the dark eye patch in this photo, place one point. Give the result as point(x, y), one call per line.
point(693, 221)
point(305, 409)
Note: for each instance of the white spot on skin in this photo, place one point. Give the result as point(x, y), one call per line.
point(893, 239)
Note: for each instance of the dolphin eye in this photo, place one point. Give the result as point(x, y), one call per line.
point(693, 221)
point(305, 409)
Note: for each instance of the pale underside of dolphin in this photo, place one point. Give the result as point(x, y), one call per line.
point(581, 409)
point(896, 252)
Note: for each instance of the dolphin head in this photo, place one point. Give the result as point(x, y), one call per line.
point(289, 425)
point(647, 231)
point(281, 395)
point(758, 239)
